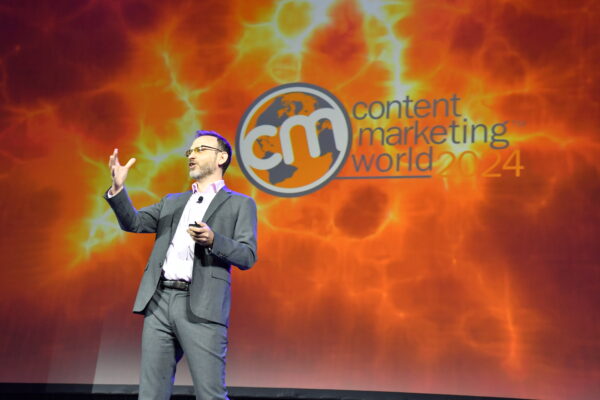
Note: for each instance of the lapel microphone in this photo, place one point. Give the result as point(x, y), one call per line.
point(200, 199)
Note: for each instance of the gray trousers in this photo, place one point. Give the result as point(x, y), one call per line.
point(170, 330)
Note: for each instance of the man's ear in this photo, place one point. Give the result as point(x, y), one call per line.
point(222, 158)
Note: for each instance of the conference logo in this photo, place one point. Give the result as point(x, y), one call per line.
point(293, 139)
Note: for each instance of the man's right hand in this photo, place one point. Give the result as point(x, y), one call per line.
point(118, 172)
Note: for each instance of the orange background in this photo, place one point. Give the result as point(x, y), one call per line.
point(454, 284)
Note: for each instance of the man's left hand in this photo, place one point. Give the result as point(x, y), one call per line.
point(201, 234)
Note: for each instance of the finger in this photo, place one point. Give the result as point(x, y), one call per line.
point(196, 226)
point(111, 159)
point(193, 232)
point(116, 157)
point(130, 163)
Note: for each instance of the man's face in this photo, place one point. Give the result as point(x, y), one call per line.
point(204, 163)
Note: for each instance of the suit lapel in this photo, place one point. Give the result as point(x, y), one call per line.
point(179, 205)
point(219, 199)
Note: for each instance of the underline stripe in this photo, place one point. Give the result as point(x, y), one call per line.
point(384, 177)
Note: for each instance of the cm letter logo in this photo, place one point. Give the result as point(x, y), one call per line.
point(293, 139)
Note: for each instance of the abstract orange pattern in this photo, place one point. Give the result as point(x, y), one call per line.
point(464, 283)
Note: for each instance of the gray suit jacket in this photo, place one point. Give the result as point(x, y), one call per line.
point(232, 218)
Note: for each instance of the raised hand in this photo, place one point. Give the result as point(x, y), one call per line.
point(118, 172)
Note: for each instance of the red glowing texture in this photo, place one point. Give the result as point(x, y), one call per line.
point(466, 285)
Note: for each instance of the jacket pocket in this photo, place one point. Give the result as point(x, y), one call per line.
point(220, 273)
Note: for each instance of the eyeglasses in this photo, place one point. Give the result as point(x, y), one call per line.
point(200, 149)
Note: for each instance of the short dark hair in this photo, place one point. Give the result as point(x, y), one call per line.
point(223, 145)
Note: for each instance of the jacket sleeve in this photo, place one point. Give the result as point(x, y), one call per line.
point(144, 220)
point(241, 249)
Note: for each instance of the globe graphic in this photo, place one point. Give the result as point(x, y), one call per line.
point(289, 105)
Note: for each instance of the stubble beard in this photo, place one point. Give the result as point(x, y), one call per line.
point(202, 172)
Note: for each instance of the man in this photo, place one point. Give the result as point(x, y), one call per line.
point(185, 290)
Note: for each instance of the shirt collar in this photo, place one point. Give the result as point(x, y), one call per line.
point(212, 188)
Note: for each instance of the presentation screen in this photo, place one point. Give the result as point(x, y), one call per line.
point(426, 175)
